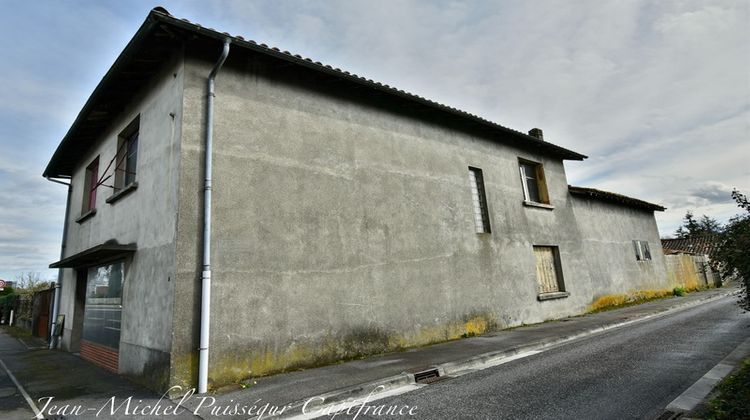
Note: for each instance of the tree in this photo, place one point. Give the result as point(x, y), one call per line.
point(732, 256)
point(30, 282)
point(692, 228)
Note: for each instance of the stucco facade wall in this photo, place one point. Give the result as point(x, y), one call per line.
point(607, 233)
point(146, 216)
point(341, 228)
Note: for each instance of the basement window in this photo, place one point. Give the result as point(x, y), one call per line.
point(642, 251)
point(549, 277)
point(479, 200)
point(533, 182)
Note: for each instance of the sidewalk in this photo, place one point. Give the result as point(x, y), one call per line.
point(73, 381)
point(69, 380)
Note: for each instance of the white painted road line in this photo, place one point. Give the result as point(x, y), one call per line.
point(37, 413)
point(491, 363)
point(692, 396)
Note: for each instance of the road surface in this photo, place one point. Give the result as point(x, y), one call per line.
point(631, 372)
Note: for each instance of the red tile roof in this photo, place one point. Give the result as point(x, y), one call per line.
point(701, 245)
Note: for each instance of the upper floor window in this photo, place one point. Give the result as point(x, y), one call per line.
point(90, 185)
point(127, 156)
point(642, 251)
point(479, 200)
point(533, 181)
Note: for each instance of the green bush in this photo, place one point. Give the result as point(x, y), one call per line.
point(679, 291)
point(731, 259)
point(7, 302)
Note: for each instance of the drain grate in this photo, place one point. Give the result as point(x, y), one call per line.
point(434, 379)
point(668, 415)
point(427, 376)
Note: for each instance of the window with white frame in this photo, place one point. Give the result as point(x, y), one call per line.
point(642, 250)
point(479, 200)
point(533, 182)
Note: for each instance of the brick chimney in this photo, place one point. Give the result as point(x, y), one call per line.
point(537, 132)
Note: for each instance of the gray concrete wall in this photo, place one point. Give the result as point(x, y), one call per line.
point(341, 229)
point(146, 216)
point(607, 233)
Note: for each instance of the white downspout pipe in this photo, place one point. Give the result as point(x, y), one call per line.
point(206, 275)
point(58, 284)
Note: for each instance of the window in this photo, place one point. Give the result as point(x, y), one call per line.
point(103, 308)
point(642, 251)
point(479, 199)
point(102, 314)
point(548, 272)
point(127, 156)
point(534, 184)
point(90, 185)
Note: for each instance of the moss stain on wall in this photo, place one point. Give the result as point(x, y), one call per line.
point(242, 364)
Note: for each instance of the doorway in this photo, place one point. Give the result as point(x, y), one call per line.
point(102, 314)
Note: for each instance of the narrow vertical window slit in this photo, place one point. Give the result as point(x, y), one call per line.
point(479, 201)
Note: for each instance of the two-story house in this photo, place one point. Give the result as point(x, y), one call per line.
point(342, 217)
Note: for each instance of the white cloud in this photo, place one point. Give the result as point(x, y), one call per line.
point(656, 93)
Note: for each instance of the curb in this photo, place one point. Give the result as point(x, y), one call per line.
point(374, 388)
point(702, 388)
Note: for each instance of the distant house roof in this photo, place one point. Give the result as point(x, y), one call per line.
point(614, 198)
point(151, 45)
point(701, 245)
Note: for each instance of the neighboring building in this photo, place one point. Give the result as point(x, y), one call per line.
point(698, 245)
point(689, 260)
point(348, 217)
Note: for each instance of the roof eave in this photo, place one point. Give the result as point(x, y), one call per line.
point(614, 198)
point(157, 16)
point(50, 171)
point(169, 19)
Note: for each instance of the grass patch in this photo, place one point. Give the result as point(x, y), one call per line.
point(607, 302)
point(733, 399)
point(16, 332)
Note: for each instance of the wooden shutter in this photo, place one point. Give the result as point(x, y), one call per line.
point(542, 184)
point(546, 269)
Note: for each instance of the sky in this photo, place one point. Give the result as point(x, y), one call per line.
point(656, 93)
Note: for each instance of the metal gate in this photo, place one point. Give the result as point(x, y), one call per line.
point(40, 312)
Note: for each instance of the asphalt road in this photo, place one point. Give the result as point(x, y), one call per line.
point(627, 373)
point(12, 404)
